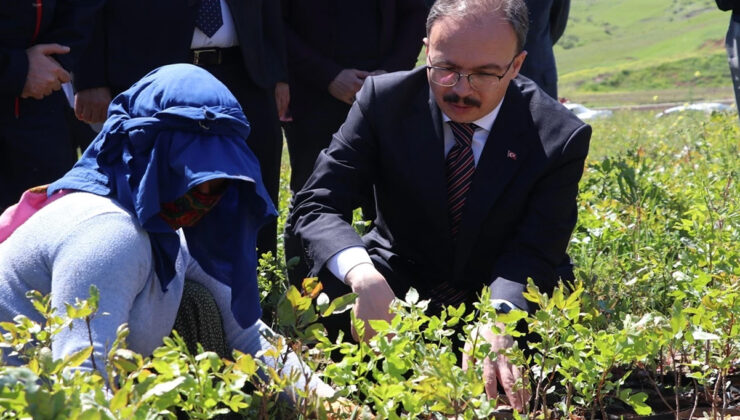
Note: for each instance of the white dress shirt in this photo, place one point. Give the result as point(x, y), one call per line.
point(223, 38)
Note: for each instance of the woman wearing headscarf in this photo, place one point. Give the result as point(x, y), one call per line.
point(167, 191)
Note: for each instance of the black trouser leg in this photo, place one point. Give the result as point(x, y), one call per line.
point(35, 147)
point(265, 137)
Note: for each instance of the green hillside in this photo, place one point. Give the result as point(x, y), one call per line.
point(632, 51)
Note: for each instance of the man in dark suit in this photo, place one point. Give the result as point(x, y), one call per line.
point(39, 44)
point(239, 41)
point(458, 206)
point(732, 43)
point(547, 21)
point(333, 45)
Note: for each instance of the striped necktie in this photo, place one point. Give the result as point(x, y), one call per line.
point(460, 170)
point(209, 18)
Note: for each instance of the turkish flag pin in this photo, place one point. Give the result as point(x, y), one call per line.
point(511, 155)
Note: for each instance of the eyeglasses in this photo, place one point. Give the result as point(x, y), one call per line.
point(444, 76)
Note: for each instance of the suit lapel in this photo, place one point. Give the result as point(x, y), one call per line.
point(426, 146)
point(505, 150)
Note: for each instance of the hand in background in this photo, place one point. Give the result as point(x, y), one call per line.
point(91, 105)
point(347, 83)
point(374, 296)
point(45, 74)
point(500, 369)
point(282, 99)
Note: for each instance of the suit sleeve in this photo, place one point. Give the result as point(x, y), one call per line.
point(305, 62)
point(343, 174)
point(90, 70)
point(550, 216)
point(724, 4)
point(275, 41)
point(558, 19)
point(409, 32)
point(13, 71)
point(72, 26)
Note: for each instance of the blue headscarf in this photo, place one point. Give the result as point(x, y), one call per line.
point(172, 130)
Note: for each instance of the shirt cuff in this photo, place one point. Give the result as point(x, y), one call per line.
point(503, 306)
point(340, 263)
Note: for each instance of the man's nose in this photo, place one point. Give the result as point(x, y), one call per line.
point(462, 88)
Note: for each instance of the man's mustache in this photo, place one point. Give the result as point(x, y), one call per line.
point(454, 98)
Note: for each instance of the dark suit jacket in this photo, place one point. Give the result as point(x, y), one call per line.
point(733, 5)
point(23, 25)
point(309, 33)
point(547, 21)
point(519, 214)
point(133, 37)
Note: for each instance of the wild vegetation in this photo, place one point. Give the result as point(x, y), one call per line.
point(631, 51)
point(650, 326)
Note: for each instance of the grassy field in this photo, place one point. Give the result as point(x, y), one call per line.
point(630, 51)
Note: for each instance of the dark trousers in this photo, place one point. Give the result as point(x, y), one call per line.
point(265, 137)
point(35, 147)
point(307, 135)
point(732, 44)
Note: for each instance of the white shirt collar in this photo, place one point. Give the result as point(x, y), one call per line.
point(485, 122)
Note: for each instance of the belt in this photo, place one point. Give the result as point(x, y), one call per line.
point(215, 56)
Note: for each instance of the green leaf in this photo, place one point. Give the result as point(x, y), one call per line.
point(322, 302)
point(379, 325)
point(340, 304)
point(162, 388)
point(76, 359)
point(700, 334)
point(412, 296)
point(120, 399)
point(299, 302)
point(286, 314)
point(636, 401)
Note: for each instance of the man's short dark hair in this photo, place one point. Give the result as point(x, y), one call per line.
point(513, 11)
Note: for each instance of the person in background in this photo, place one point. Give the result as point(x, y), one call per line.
point(160, 214)
point(474, 173)
point(239, 42)
point(732, 43)
point(547, 22)
point(40, 41)
point(333, 46)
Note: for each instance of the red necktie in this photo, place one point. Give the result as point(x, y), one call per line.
point(460, 170)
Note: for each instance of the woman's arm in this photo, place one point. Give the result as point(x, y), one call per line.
point(252, 340)
point(108, 251)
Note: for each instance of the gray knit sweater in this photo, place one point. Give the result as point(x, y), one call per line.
point(83, 239)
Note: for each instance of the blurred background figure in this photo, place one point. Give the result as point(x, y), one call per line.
point(333, 45)
point(39, 44)
point(732, 43)
point(236, 41)
point(547, 21)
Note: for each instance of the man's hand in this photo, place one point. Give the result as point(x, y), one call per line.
point(45, 74)
point(347, 83)
point(374, 296)
point(282, 99)
point(91, 105)
point(500, 369)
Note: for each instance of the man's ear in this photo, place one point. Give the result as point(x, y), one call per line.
point(425, 40)
point(517, 65)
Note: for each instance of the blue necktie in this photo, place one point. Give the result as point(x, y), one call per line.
point(209, 18)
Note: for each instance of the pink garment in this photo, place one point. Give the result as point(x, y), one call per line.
point(31, 201)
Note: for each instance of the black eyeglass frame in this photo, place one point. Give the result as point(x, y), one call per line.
point(469, 75)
